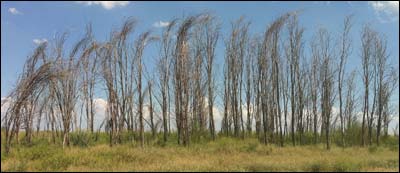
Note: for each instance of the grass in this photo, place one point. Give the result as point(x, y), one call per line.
point(224, 154)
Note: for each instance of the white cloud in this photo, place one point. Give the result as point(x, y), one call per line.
point(39, 41)
point(105, 4)
point(386, 11)
point(100, 106)
point(5, 104)
point(160, 24)
point(14, 11)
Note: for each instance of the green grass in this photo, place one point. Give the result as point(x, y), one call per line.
point(91, 153)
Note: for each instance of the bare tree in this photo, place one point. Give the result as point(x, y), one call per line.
point(140, 44)
point(350, 101)
point(367, 43)
point(164, 72)
point(35, 77)
point(211, 33)
point(199, 121)
point(386, 80)
point(315, 85)
point(327, 82)
point(65, 87)
point(181, 68)
point(88, 64)
point(151, 110)
point(250, 81)
point(388, 88)
point(117, 71)
point(345, 50)
point(235, 53)
point(293, 53)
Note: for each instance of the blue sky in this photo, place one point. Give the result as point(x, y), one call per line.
point(24, 23)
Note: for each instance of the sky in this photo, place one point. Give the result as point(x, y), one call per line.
point(26, 24)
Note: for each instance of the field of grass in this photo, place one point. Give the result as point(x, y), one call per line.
point(224, 154)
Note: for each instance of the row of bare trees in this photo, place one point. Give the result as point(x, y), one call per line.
point(270, 81)
point(384, 78)
point(309, 88)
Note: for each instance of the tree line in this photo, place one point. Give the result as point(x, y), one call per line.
point(287, 93)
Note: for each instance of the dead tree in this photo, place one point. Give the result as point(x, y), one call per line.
point(327, 82)
point(211, 29)
point(386, 81)
point(36, 76)
point(198, 123)
point(387, 90)
point(181, 70)
point(345, 50)
point(315, 85)
point(65, 87)
point(140, 44)
point(293, 53)
point(235, 52)
point(164, 72)
point(151, 111)
point(252, 49)
point(367, 37)
point(88, 62)
point(350, 101)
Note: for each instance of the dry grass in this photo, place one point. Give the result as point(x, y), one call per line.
point(223, 155)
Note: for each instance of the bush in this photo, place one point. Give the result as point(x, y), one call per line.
point(318, 166)
point(261, 168)
point(391, 163)
point(251, 147)
point(19, 166)
point(81, 139)
point(392, 142)
point(343, 166)
point(38, 152)
point(57, 162)
point(373, 149)
point(225, 145)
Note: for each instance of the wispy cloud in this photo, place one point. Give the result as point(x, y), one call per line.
point(105, 4)
point(386, 11)
point(160, 24)
point(14, 11)
point(39, 41)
